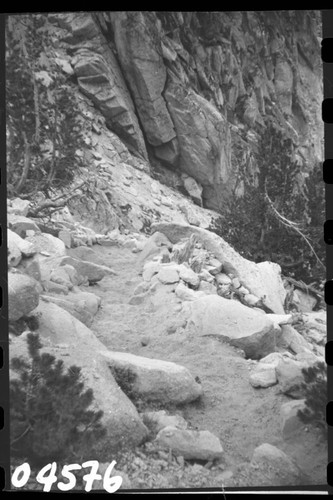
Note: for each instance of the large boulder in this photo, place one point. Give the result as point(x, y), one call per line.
point(192, 445)
point(46, 243)
point(93, 272)
point(155, 379)
point(23, 295)
point(82, 305)
point(263, 279)
point(275, 467)
point(66, 337)
point(241, 326)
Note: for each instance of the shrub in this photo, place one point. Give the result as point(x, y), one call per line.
point(280, 215)
point(315, 387)
point(49, 408)
point(125, 378)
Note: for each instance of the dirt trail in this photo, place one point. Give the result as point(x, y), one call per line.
point(241, 416)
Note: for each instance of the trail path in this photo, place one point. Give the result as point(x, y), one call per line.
point(241, 416)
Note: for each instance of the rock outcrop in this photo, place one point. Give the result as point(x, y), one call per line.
point(161, 78)
point(263, 279)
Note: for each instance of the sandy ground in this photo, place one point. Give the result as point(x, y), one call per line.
point(241, 416)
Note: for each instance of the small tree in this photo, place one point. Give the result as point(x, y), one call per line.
point(43, 124)
point(315, 387)
point(281, 213)
point(50, 419)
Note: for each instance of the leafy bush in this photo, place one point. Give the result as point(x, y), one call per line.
point(315, 387)
point(49, 408)
point(280, 216)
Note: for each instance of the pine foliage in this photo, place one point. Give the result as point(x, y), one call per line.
point(49, 408)
point(42, 119)
point(315, 387)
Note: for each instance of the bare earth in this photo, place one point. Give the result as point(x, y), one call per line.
point(241, 416)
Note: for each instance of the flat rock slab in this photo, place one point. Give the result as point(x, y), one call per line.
point(155, 379)
point(23, 295)
point(67, 338)
point(168, 275)
point(242, 327)
point(263, 279)
point(199, 445)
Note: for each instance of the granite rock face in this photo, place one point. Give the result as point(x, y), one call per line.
point(198, 91)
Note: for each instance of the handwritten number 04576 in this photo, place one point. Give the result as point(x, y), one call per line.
point(47, 476)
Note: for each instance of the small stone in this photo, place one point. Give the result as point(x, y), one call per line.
point(236, 283)
point(145, 340)
point(222, 279)
point(138, 299)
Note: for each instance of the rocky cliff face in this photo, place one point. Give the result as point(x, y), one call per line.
point(187, 91)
